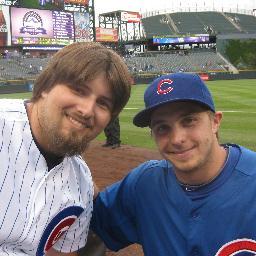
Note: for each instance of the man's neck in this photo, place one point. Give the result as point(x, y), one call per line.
point(207, 172)
point(51, 159)
point(32, 112)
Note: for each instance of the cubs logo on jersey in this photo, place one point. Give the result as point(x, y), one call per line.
point(238, 247)
point(57, 227)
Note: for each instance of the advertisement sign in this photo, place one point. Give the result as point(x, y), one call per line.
point(77, 2)
point(204, 76)
point(182, 39)
point(5, 35)
point(130, 16)
point(106, 35)
point(82, 27)
point(41, 4)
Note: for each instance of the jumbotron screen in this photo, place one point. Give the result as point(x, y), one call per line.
point(41, 27)
point(182, 39)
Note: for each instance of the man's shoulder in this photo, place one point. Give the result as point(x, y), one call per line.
point(247, 154)
point(156, 164)
point(12, 109)
point(78, 163)
point(247, 161)
point(6, 104)
point(80, 168)
point(152, 164)
point(149, 168)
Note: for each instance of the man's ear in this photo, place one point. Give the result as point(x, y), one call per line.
point(44, 94)
point(217, 117)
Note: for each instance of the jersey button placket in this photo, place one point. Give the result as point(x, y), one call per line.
point(194, 215)
point(195, 251)
point(195, 229)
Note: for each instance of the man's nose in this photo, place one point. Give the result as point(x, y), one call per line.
point(86, 107)
point(177, 135)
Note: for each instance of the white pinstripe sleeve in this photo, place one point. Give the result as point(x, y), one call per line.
point(82, 186)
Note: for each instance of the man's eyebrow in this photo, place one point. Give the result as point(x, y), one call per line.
point(109, 100)
point(189, 112)
point(155, 122)
point(182, 115)
point(81, 86)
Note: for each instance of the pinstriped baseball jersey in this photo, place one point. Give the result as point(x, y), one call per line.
point(39, 208)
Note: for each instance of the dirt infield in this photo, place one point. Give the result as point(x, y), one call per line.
point(109, 165)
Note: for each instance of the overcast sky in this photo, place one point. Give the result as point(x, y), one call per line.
point(142, 6)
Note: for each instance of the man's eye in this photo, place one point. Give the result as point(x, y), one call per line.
point(160, 130)
point(79, 91)
point(103, 104)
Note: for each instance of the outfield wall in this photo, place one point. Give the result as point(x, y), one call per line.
point(228, 76)
point(145, 79)
point(17, 86)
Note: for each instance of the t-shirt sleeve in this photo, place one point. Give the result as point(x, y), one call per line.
point(114, 213)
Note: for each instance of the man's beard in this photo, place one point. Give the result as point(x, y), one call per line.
point(61, 145)
point(73, 145)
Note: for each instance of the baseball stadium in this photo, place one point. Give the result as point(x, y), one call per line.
point(218, 45)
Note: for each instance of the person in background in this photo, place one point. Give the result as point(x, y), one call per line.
point(46, 187)
point(200, 199)
point(112, 133)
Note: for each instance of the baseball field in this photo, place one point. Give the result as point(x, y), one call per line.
point(237, 100)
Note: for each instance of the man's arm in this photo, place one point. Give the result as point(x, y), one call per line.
point(53, 252)
point(96, 190)
point(95, 241)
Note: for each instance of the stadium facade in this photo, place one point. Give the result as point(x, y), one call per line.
point(217, 44)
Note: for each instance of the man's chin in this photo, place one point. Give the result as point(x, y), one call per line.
point(77, 149)
point(69, 148)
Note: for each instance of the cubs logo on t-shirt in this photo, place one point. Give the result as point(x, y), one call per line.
point(238, 247)
point(57, 227)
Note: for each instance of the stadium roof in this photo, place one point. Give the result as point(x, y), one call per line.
point(115, 13)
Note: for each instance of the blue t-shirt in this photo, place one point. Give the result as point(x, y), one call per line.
point(150, 207)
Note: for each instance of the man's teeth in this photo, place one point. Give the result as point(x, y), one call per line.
point(77, 123)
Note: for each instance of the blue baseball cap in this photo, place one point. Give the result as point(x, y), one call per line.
point(172, 88)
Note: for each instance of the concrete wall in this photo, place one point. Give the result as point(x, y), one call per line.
point(212, 76)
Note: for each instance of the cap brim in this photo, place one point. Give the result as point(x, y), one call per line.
point(143, 118)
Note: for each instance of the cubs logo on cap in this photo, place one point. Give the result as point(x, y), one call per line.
point(161, 84)
point(171, 88)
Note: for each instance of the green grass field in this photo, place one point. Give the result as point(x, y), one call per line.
point(236, 98)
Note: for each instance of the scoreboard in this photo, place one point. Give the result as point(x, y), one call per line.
point(44, 27)
point(63, 25)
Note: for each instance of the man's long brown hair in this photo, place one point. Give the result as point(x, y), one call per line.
point(78, 63)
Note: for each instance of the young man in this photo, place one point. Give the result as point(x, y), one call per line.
point(46, 187)
point(200, 199)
